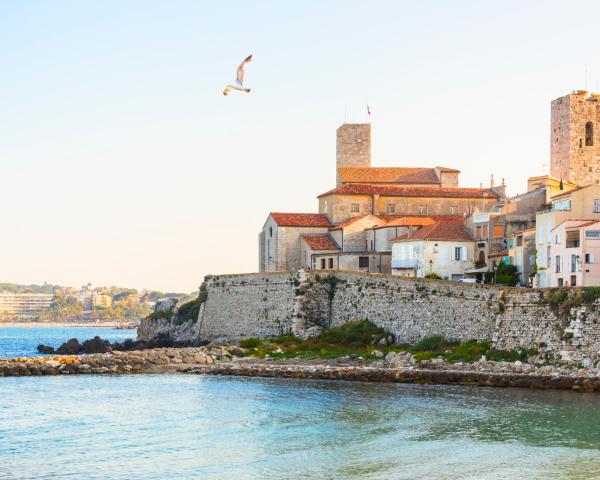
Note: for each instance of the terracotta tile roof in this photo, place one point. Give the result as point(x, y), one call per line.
point(418, 220)
point(439, 231)
point(376, 221)
point(320, 242)
point(400, 191)
point(446, 169)
point(301, 219)
point(388, 175)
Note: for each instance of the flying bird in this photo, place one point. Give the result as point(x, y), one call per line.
point(239, 81)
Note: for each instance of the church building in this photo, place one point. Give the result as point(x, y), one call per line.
point(366, 200)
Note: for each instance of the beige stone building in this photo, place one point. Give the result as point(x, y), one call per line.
point(280, 241)
point(445, 249)
point(577, 204)
point(369, 206)
point(575, 138)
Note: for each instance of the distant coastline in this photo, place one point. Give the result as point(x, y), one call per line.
point(116, 324)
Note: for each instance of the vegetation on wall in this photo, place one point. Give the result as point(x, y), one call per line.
point(361, 339)
point(506, 275)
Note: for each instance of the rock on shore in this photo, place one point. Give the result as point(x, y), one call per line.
point(137, 361)
point(398, 367)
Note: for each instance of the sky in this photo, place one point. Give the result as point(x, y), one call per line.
point(122, 163)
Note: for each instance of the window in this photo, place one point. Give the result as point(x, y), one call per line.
point(457, 253)
point(574, 264)
point(371, 245)
point(557, 264)
point(390, 208)
point(325, 206)
point(422, 209)
point(596, 206)
point(557, 238)
point(560, 282)
point(485, 231)
point(331, 263)
point(270, 231)
point(520, 241)
point(561, 205)
point(548, 257)
point(589, 258)
point(478, 232)
point(573, 280)
point(589, 134)
point(363, 262)
point(322, 264)
point(498, 231)
point(592, 234)
point(355, 208)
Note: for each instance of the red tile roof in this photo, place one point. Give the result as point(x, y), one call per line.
point(439, 231)
point(301, 219)
point(376, 221)
point(408, 175)
point(418, 220)
point(400, 191)
point(388, 175)
point(320, 242)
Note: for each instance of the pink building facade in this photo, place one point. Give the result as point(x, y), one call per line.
point(575, 254)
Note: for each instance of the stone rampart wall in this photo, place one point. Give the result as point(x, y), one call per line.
point(566, 326)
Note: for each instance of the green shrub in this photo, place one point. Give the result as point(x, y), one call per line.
point(433, 276)
point(354, 333)
point(470, 351)
point(433, 343)
point(590, 294)
point(521, 354)
point(507, 274)
point(250, 342)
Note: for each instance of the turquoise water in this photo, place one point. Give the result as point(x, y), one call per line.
point(23, 342)
point(189, 426)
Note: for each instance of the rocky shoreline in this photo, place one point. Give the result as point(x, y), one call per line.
point(228, 360)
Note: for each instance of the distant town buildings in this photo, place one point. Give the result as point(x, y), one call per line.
point(419, 221)
point(25, 305)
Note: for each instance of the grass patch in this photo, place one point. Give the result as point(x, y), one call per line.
point(360, 339)
point(355, 338)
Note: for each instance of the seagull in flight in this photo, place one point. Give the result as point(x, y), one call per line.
point(239, 81)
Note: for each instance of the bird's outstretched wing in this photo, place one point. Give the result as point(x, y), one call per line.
point(240, 70)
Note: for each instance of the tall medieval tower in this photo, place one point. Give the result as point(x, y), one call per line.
point(575, 138)
point(353, 147)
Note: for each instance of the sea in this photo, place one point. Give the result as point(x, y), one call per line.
point(181, 426)
point(23, 341)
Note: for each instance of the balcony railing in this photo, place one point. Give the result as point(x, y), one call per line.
point(405, 263)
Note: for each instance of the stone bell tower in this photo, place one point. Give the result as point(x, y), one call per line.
point(575, 138)
point(353, 147)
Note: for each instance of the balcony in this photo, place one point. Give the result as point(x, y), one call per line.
point(405, 263)
point(572, 240)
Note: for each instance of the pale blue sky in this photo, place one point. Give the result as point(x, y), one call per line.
point(122, 162)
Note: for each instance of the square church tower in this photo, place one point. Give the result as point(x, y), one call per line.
point(353, 147)
point(575, 138)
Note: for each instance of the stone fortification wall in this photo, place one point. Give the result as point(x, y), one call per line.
point(249, 305)
point(559, 323)
point(412, 309)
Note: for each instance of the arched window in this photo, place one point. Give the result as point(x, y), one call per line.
point(589, 134)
